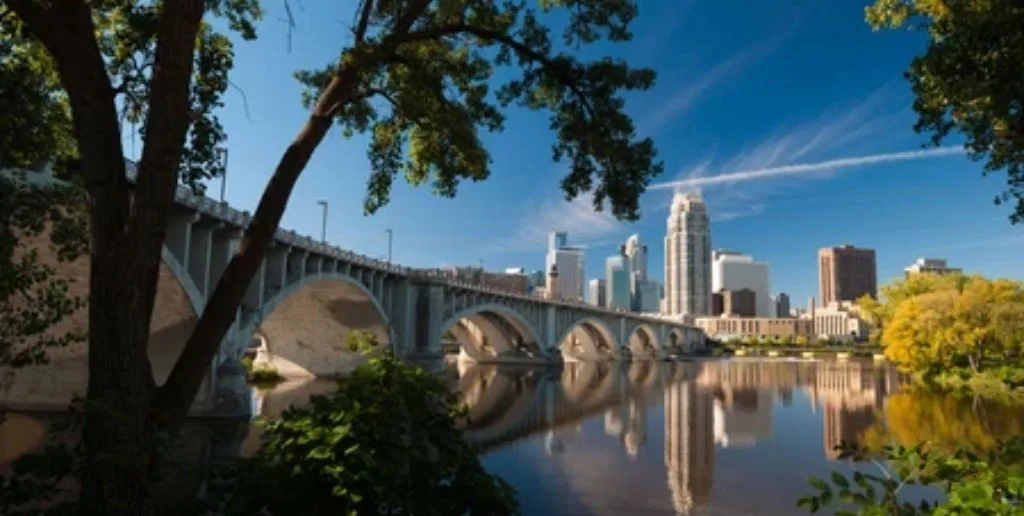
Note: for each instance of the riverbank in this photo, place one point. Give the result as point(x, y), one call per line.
point(805, 352)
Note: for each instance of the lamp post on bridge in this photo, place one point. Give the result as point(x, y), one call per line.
point(223, 153)
point(390, 235)
point(323, 225)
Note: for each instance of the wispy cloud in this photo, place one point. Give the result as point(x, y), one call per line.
point(807, 168)
point(682, 99)
point(586, 227)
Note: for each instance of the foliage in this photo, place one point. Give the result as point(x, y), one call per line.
point(385, 443)
point(361, 340)
point(802, 341)
point(870, 310)
point(968, 79)
point(990, 483)
point(434, 90)
point(963, 321)
point(264, 375)
point(33, 299)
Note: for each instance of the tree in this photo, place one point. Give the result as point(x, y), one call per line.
point(417, 77)
point(959, 325)
point(386, 442)
point(871, 310)
point(968, 79)
point(802, 341)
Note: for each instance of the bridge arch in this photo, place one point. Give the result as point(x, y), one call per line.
point(304, 327)
point(588, 338)
point(176, 310)
point(480, 333)
point(643, 342)
point(676, 341)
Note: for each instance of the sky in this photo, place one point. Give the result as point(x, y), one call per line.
point(791, 117)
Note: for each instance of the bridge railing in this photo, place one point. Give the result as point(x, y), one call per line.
point(241, 219)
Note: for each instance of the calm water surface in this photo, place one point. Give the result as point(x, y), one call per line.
point(729, 437)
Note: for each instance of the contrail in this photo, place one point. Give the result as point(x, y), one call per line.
point(803, 168)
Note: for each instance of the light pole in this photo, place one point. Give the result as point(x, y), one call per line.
point(224, 173)
point(323, 226)
point(390, 235)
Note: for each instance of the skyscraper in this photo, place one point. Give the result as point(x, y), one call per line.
point(735, 271)
point(597, 292)
point(688, 257)
point(846, 273)
point(617, 282)
point(569, 261)
point(637, 253)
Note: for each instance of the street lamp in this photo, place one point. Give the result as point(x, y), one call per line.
point(323, 226)
point(223, 153)
point(390, 235)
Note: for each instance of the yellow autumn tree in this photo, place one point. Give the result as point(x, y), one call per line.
point(953, 321)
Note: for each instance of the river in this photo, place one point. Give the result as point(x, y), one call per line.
point(729, 437)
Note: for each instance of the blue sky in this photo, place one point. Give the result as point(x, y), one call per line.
point(742, 87)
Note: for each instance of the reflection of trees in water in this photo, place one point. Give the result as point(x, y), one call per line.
point(917, 415)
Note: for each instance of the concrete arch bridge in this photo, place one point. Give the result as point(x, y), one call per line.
point(308, 296)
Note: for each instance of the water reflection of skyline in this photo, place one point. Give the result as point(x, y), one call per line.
point(724, 404)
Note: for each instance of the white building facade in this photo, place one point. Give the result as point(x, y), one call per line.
point(570, 264)
point(731, 270)
point(688, 257)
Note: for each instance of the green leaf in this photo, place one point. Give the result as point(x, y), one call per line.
point(840, 480)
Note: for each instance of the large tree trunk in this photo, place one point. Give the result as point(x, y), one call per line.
point(176, 395)
point(126, 239)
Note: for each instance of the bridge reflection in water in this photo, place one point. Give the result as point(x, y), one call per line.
point(736, 436)
point(704, 405)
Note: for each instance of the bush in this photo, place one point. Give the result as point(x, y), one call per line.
point(991, 484)
point(386, 442)
point(361, 341)
point(264, 375)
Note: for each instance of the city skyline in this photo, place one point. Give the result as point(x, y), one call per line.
point(744, 102)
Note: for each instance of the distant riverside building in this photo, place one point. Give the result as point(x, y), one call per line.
point(839, 321)
point(688, 257)
point(552, 289)
point(517, 283)
point(515, 270)
point(596, 289)
point(930, 266)
point(739, 303)
point(727, 328)
point(569, 261)
point(538, 278)
point(617, 282)
point(647, 296)
point(846, 273)
point(781, 302)
point(733, 271)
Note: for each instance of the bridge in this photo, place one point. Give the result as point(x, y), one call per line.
point(308, 295)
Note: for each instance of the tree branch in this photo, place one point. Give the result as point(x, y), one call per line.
point(364, 20)
point(520, 48)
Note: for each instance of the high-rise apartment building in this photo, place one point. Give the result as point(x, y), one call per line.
point(617, 282)
point(569, 261)
point(637, 254)
point(846, 273)
point(688, 257)
point(930, 266)
point(735, 271)
point(596, 294)
point(781, 301)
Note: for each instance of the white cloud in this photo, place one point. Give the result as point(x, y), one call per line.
point(586, 227)
point(806, 168)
